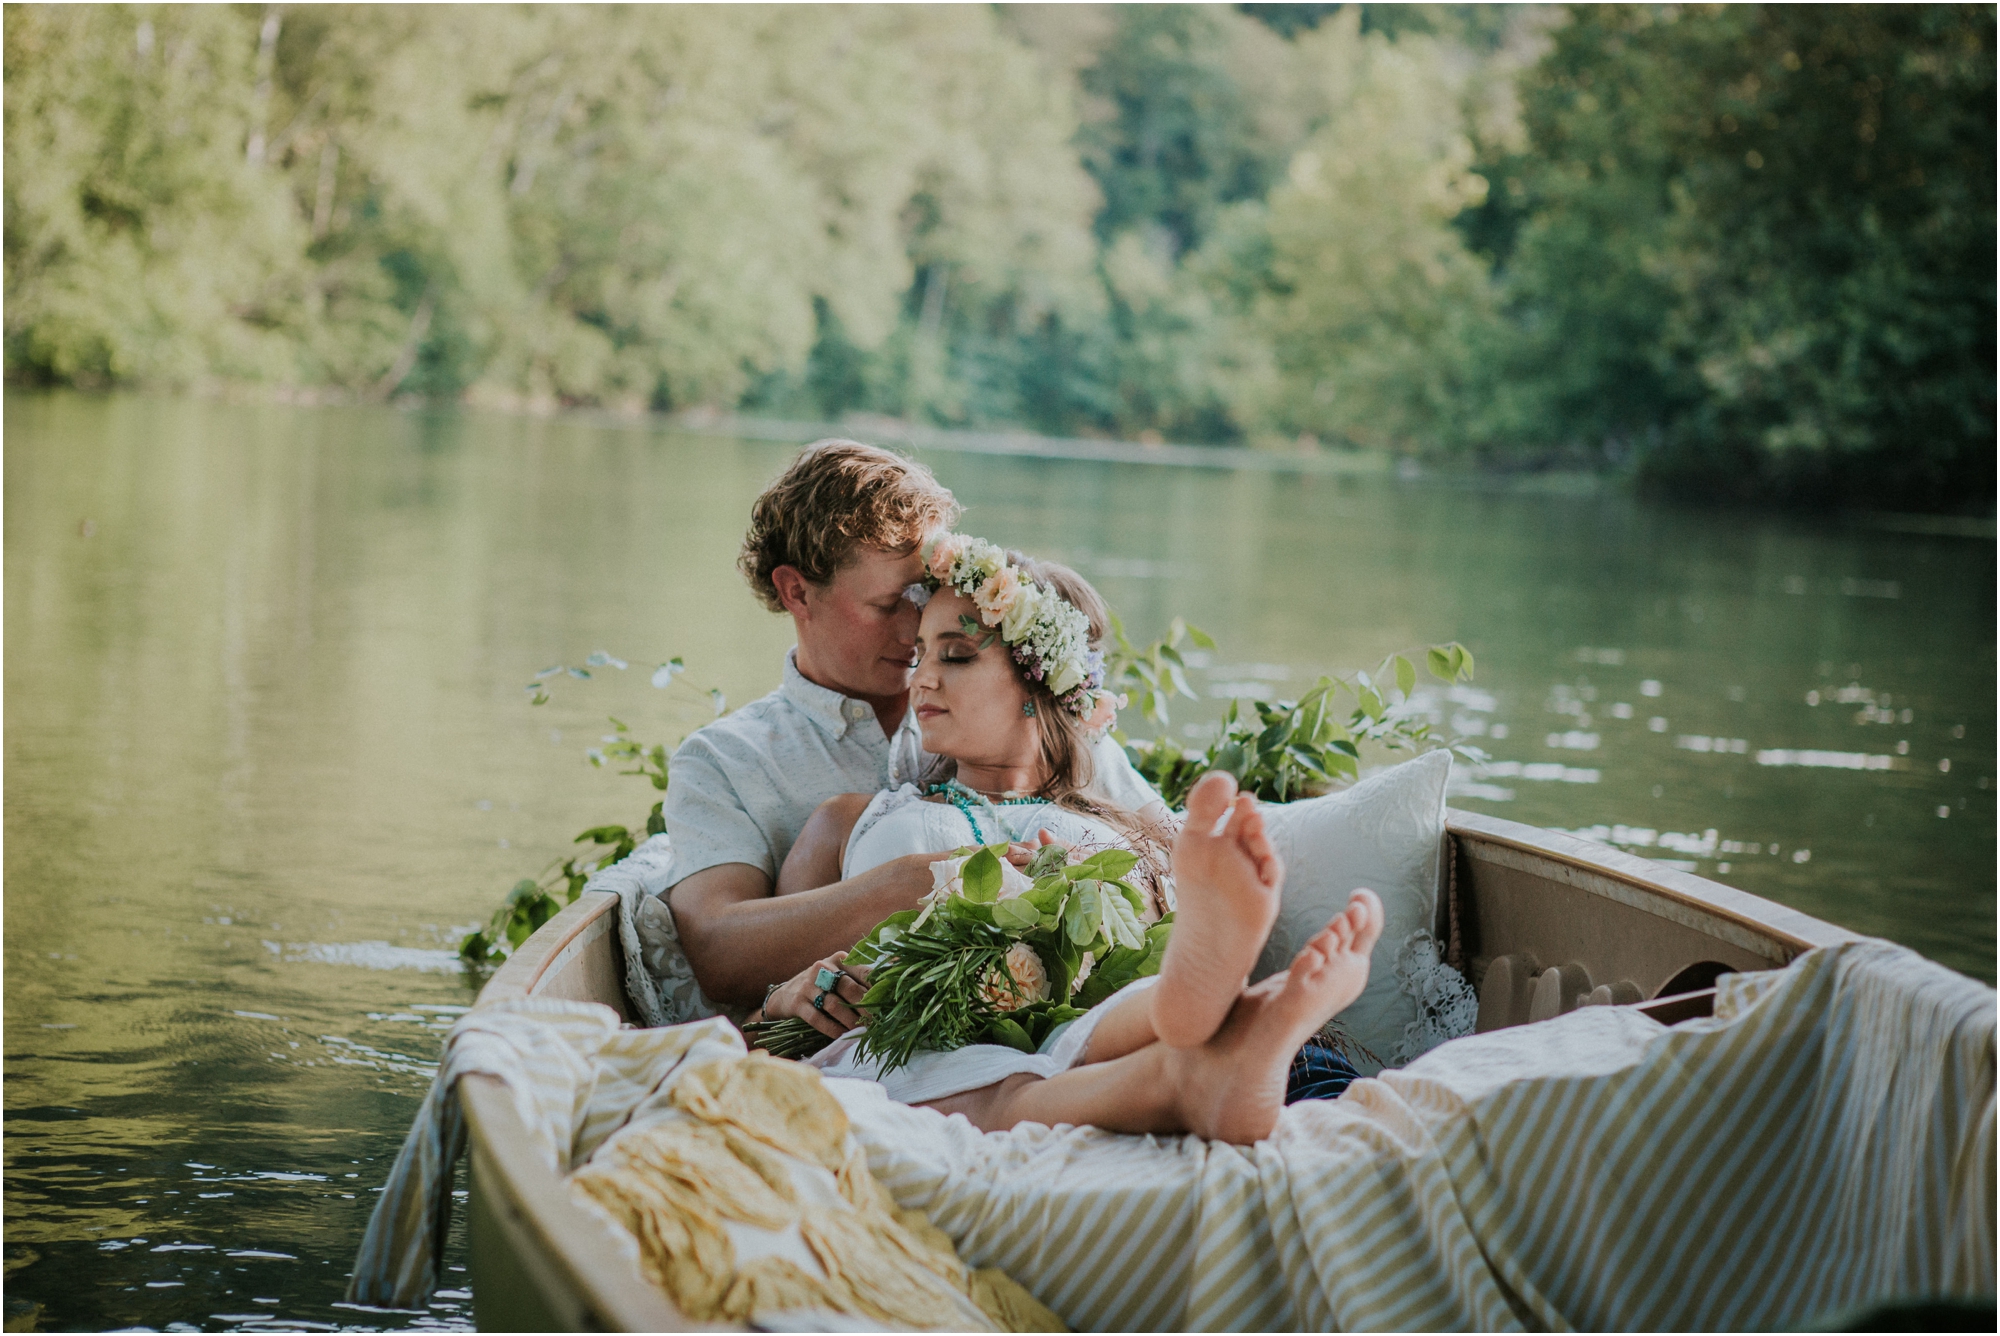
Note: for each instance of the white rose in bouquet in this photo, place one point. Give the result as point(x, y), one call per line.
point(1026, 983)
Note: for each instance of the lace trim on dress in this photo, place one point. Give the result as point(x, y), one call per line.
point(1446, 1005)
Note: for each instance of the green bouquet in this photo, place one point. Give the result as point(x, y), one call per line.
point(995, 955)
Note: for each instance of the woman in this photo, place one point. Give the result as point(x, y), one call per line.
point(1008, 690)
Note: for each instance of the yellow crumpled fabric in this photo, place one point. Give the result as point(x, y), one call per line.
point(760, 1143)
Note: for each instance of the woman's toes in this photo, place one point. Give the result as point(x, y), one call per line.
point(1209, 801)
point(1365, 909)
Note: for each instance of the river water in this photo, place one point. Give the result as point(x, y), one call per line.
point(268, 751)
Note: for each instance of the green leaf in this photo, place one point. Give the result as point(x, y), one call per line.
point(1105, 865)
point(1121, 921)
point(1083, 916)
point(1438, 659)
point(1001, 1030)
point(980, 878)
point(1406, 675)
point(1049, 893)
point(1051, 858)
point(1016, 915)
point(1121, 965)
point(1201, 637)
point(1068, 963)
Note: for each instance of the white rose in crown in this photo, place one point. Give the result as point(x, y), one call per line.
point(1068, 674)
point(1026, 607)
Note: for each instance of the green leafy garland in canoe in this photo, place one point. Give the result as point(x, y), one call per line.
point(1279, 750)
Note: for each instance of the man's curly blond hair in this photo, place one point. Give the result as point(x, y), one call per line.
point(836, 496)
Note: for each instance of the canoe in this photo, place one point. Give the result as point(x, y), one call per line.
point(1542, 921)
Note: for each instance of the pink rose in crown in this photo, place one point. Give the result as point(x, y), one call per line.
point(944, 554)
point(997, 596)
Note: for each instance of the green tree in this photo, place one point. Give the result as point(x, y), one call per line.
point(1749, 248)
point(1369, 299)
point(142, 242)
point(1181, 140)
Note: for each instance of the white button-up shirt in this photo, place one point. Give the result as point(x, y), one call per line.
point(743, 787)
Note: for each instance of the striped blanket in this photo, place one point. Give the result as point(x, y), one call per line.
point(1826, 1140)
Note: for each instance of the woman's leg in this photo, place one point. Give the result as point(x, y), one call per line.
point(1230, 1088)
point(1227, 880)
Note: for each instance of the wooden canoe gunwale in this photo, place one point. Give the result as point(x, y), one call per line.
point(525, 1233)
point(1779, 933)
point(539, 1261)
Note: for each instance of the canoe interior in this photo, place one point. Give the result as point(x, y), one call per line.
point(1539, 922)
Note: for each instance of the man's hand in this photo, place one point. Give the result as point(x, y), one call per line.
point(740, 938)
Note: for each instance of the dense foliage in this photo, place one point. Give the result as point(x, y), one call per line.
point(1731, 249)
point(1752, 247)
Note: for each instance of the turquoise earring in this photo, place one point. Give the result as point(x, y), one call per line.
point(1028, 709)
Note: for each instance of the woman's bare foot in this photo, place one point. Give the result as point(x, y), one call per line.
point(1227, 879)
point(1233, 1087)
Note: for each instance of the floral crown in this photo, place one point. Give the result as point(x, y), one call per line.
point(1048, 636)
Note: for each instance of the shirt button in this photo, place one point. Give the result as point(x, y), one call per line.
point(856, 710)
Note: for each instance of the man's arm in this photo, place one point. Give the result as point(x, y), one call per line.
point(739, 937)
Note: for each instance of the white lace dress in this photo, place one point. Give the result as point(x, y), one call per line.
point(898, 822)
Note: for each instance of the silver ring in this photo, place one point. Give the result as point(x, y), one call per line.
point(819, 1002)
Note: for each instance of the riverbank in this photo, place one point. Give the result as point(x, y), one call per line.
point(898, 434)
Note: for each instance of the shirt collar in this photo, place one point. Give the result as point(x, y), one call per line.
point(826, 707)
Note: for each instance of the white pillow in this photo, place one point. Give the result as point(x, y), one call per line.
point(1385, 833)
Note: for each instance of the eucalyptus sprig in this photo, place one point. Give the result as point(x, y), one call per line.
point(533, 901)
point(1148, 678)
point(1282, 750)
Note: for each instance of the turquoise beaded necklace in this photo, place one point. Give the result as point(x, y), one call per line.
point(961, 797)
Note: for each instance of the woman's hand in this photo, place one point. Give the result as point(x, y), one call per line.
point(1020, 855)
point(832, 1010)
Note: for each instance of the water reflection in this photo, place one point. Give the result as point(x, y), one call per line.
point(269, 755)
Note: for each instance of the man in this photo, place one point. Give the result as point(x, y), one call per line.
point(833, 542)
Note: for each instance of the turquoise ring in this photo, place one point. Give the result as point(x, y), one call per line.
point(826, 978)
